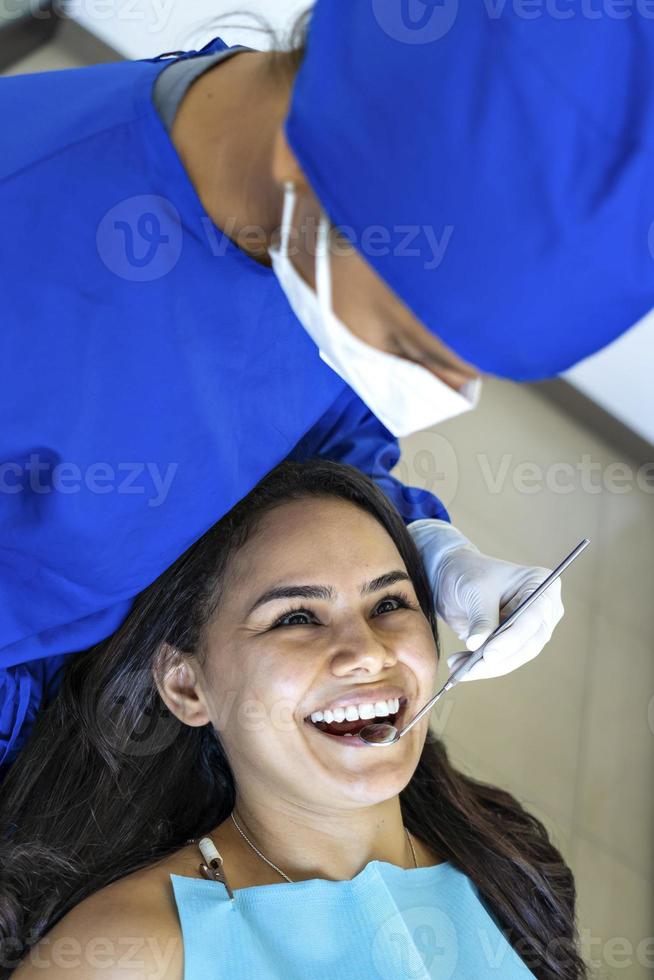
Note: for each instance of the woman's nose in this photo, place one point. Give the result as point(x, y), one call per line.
point(357, 645)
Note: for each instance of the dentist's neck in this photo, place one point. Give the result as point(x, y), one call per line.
point(224, 132)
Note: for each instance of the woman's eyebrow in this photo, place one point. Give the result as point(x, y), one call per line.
point(326, 591)
point(383, 581)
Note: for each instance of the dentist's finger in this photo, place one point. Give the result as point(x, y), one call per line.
point(498, 662)
point(552, 595)
point(542, 613)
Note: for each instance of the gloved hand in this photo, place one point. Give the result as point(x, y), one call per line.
point(471, 592)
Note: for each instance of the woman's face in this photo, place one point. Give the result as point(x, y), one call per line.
point(306, 619)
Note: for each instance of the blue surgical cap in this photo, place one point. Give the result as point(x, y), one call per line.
point(493, 162)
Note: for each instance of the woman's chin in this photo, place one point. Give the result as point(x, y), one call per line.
point(383, 772)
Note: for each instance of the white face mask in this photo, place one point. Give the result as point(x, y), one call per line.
point(404, 396)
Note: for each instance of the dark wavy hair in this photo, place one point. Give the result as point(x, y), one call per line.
point(110, 781)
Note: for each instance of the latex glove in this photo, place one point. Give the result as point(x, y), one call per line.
point(471, 592)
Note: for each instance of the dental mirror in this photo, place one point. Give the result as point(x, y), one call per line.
point(382, 733)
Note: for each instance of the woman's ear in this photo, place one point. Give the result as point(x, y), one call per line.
point(177, 678)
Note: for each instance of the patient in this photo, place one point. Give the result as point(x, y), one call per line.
point(195, 719)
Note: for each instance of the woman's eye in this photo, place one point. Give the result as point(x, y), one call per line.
point(304, 617)
point(392, 603)
point(297, 617)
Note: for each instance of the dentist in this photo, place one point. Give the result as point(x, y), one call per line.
point(157, 320)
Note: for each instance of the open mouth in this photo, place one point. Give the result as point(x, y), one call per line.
point(349, 729)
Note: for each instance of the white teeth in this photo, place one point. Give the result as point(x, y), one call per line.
point(354, 712)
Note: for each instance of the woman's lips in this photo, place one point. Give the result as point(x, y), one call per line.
point(354, 741)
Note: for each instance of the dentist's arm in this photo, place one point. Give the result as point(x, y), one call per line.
point(471, 590)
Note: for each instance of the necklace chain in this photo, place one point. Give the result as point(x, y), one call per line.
point(279, 871)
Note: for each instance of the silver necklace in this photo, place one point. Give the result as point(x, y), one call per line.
point(279, 871)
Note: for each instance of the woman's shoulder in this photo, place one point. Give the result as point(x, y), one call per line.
point(127, 930)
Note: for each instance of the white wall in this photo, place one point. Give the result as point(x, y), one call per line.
point(618, 378)
point(146, 28)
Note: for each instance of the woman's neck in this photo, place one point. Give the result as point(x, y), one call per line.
point(318, 845)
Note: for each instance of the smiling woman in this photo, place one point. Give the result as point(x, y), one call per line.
point(308, 598)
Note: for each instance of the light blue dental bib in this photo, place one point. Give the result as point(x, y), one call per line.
point(386, 923)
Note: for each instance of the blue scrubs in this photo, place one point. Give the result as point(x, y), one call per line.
point(153, 372)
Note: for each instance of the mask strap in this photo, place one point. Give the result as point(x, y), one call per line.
point(287, 214)
point(323, 269)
